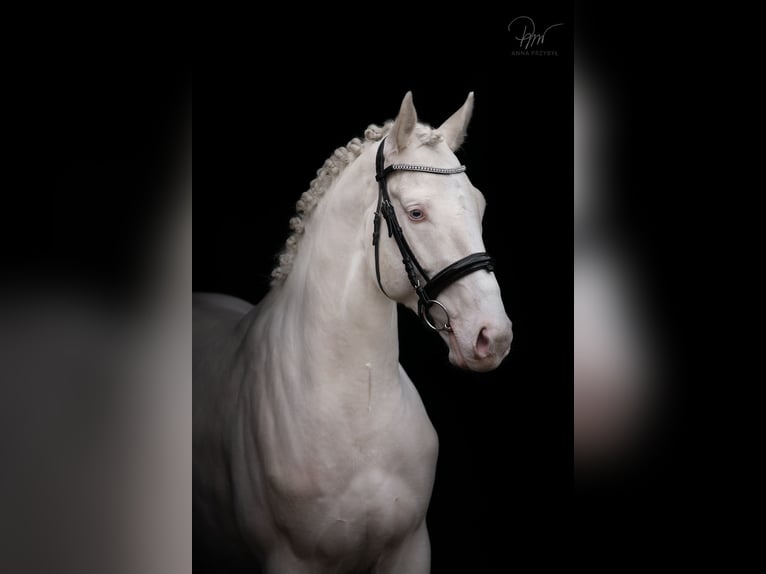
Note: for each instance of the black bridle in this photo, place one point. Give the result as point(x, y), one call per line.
point(430, 289)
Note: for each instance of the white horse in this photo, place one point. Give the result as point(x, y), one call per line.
point(312, 449)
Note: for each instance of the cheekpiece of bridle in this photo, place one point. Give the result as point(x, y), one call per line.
point(429, 288)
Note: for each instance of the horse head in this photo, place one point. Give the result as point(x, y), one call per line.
point(437, 215)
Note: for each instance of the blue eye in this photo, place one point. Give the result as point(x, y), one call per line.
point(416, 214)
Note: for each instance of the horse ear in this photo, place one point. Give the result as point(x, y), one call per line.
point(455, 127)
point(405, 123)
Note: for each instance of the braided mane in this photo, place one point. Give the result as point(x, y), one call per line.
point(326, 177)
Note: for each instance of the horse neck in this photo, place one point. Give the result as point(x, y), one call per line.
point(343, 330)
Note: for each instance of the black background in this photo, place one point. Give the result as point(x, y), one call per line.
point(95, 131)
point(505, 462)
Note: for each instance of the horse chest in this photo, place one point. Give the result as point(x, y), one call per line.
point(358, 497)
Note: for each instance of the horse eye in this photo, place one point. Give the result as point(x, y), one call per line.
point(416, 214)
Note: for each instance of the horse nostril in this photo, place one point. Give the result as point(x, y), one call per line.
point(482, 347)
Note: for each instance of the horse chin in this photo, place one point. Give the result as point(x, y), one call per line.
point(458, 358)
